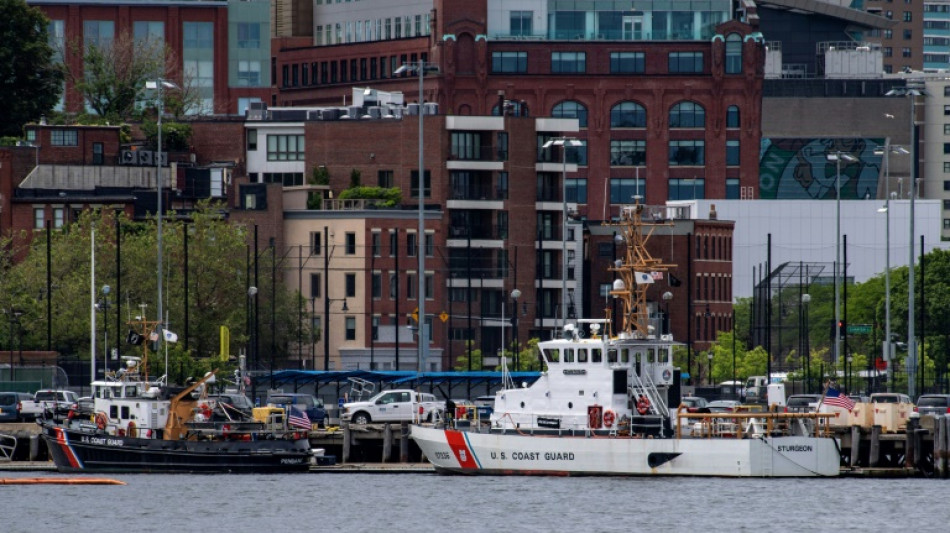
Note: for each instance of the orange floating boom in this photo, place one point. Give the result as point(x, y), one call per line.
point(59, 481)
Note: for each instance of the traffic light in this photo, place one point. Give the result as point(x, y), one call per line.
point(842, 328)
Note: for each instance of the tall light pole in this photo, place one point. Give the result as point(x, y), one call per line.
point(563, 142)
point(837, 156)
point(888, 149)
point(911, 93)
point(806, 298)
point(420, 68)
point(159, 84)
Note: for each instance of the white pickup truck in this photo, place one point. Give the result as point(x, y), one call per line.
point(395, 405)
point(48, 402)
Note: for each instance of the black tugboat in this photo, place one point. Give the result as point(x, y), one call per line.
point(142, 425)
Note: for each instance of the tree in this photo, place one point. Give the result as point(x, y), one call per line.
point(217, 294)
point(113, 76)
point(31, 79)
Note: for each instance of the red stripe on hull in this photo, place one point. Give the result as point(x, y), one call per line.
point(465, 457)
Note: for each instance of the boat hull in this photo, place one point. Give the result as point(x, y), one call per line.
point(461, 452)
point(82, 450)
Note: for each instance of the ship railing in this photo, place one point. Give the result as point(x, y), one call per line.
point(644, 385)
point(748, 425)
point(7, 446)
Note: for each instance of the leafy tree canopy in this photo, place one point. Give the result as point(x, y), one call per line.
point(31, 79)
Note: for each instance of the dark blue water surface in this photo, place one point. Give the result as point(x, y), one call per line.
point(429, 502)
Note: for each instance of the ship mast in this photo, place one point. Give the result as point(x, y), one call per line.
point(635, 270)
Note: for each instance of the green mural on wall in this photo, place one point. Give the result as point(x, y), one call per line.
point(799, 169)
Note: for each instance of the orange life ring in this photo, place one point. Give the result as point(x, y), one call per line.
point(643, 405)
point(133, 431)
point(101, 420)
point(609, 418)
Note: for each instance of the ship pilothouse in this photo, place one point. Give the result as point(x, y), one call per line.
point(597, 380)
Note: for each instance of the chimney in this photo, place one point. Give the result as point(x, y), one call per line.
point(712, 212)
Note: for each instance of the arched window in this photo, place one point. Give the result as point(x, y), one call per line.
point(571, 109)
point(687, 115)
point(733, 53)
point(628, 115)
point(732, 116)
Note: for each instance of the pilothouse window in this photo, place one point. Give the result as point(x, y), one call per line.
point(612, 356)
point(569, 355)
point(550, 355)
point(582, 355)
point(596, 355)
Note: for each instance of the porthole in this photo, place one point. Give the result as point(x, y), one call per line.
point(570, 405)
point(522, 405)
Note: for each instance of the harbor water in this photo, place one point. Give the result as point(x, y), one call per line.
point(428, 502)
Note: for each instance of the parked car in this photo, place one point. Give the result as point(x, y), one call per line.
point(694, 403)
point(10, 405)
point(933, 404)
point(723, 406)
point(802, 403)
point(235, 400)
point(310, 404)
point(890, 397)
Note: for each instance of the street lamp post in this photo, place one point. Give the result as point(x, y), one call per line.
point(887, 351)
point(665, 327)
point(709, 355)
point(837, 156)
point(563, 142)
point(515, 294)
point(806, 298)
point(159, 84)
point(420, 68)
point(104, 305)
point(911, 93)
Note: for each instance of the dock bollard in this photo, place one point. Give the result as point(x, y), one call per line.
point(874, 457)
point(387, 443)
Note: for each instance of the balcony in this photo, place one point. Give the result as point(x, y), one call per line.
point(478, 232)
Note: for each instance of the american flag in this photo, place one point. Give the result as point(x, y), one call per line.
point(834, 398)
point(298, 419)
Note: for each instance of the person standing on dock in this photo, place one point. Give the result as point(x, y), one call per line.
point(449, 412)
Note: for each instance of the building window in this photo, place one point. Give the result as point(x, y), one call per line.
point(316, 239)
point(351, 328)
point(385, 178)
point(393, 243)
point(622, 190)
point(350, 243)
point(315, 285)
point(628, 153)
point(946, 223)
point(576, 190)
point(39, 217)
point(466, 146)
point(732, 188)
point(59, 217)
point(285, 148)
point(946, 129)
point(411, 244)
point(430, 245)
point(908, 34)
point(98, 33)
point(687, 115)
point(685, 62)
point(946, 167)
point(687, 189)
point(732, 116)
point(627, 62)
point(908, 16)
point(411, 286)
point(377, 240)
point(568, 62)
point(521, 22)
point(64, 137)
point(248, 35)
point(350, 279)
point(249, 74)
point(732, 153)
point(571, 109)
point(733, 54)
point(252, 140)
point(430, 286)
point(414, 185)
point(687, 153)
point(906, 52)
point(393, 286)
point(628, 115)
point(509, 62)
point(97, 155)
point(148, 31)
